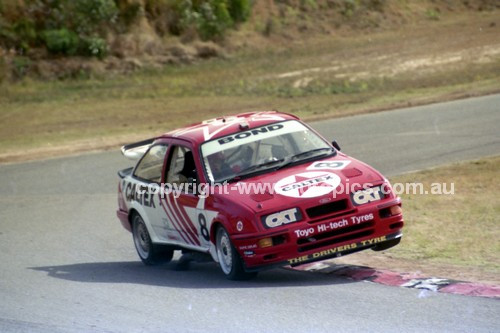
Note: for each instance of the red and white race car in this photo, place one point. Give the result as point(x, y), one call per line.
point(253, 191)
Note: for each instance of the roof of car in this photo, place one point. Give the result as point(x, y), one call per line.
point(222, 126)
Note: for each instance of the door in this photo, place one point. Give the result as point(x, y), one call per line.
point(143, 188)
point(179, 200)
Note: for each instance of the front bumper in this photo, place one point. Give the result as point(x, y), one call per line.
point(329, 253)
point(310, 241)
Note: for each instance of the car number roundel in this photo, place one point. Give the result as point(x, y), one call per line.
point(307, 184)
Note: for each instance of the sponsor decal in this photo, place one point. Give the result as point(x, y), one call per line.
point(239, 226)
point(140, 194)
point(248, 247)
point(251, 135)
point(308, 184)
point(362, 218)
point(331, 165)
point(362, 197)
point(336, 251)
point(253, 132)
point(332, 225)
point(328, 226)
point(304, 232)
point(283, 217)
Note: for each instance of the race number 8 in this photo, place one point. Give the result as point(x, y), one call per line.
point(203, 227)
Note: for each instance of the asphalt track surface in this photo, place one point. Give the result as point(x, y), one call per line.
point(67, 265)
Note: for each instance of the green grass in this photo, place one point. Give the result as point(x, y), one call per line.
point(461, 229)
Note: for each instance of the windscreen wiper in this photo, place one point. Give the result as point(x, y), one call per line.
point(309, 152)
point(297, 157)
point(251, 169)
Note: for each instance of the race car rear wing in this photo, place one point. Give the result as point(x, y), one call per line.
point(134, 151)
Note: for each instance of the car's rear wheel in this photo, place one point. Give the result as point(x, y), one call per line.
point(150, 253)
point(229, 260)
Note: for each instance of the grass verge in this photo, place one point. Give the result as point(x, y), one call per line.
point(452, 236)
point(325, 76)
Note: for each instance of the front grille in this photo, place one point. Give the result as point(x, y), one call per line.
point(329, 208)
point(336, 236)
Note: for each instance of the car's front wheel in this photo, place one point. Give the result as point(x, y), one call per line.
point(229, 260)
point(150, 253)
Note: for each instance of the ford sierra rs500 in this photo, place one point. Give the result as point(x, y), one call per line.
point(253, 191)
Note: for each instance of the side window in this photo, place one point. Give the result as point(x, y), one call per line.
point(181, 167)
point(151, 164)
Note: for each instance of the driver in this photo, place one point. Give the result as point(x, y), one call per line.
point(246, 157)
point(218, 166)
point(244, 160)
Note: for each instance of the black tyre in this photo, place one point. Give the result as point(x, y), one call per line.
point(229, 260)
point(150, 253)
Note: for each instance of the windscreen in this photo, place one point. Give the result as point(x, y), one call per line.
point(257, 149)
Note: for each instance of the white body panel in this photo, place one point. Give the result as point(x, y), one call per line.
point(163, 216)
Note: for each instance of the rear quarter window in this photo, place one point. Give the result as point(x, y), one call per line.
point(151, 165)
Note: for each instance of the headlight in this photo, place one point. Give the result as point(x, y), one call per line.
point(284, 217)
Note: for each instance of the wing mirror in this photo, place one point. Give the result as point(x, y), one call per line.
point(335, 145)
